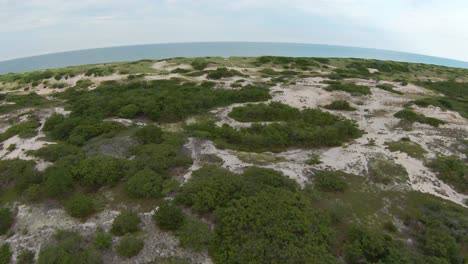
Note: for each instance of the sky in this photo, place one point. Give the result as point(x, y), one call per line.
point(430, 27)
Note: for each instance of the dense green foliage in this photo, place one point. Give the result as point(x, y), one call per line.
point(22, 101)
point(199, 64)
point(312, 128)
point(149, 134)
point(289, 62)
point(97, 171)
point(126, 222)
point(456, 95)
point(145, 184)
point(351, 88)
point(80, 205)
point(330, 181)
point(452, 170)
point(273, 111)
point(388, 88)
point(412, 117)
point(25, 257)
point(129, 246)
point(220, 73)
point(19, 174)
point(25, 129)
point(6, 220)
point(195, 234)
point(5, 254)
point(163, 101)
point(102, 240)
point(68, 247)
point(169, 216)
point(54, 152)
point(407, 146)
point(341, 105)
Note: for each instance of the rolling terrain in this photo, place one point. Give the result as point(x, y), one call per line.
point(235, 160)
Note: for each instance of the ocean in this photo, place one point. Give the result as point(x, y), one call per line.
point(223, 49)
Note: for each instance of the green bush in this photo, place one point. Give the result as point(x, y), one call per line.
point(145, 184)
point(97, 171)
point(129, 111)
point(412, 117)
point(169, 216)
point(25, 129)
point(340, 105)
point(68, 247)
point(149, 134)
point(330, 181)
point(411, 148)
point(126, 222)
point(351, 88)
point(274, 111)
point(199, 64)
point(194, 234)
point(54, 152)
point(58, 181)
point(388, 88)
point(453, 171)
point(6, 220)
point(313, 128)
point(18, 173)
point(129, 246)
point(25, 257)
point(80, 206)
point(220, 73)
point(5, 254)
point(102, 240)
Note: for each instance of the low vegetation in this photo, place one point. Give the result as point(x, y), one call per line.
point(307, 128)
point(453, 171)
point(126, 222)
point(129, 246)
point(340, 105)
point(351, 88)
point(6, 220)
point(407, 146)
point(412, 117)
point(389, 88)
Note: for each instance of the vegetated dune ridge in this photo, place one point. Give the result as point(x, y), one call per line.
point(133, 135)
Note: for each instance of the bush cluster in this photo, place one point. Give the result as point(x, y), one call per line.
point(412, 117)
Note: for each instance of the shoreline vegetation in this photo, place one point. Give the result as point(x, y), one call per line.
point(235, 160)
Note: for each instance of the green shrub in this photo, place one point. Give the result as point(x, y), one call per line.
point(274, 111)
point(102, 240)
point(145, 184)
point(149, 134)
point(129, 111)
point(271, 227)
point(453, 171)
point(129, 246)
point(97, 171)
point(412, 117)
point(169, 216)
point(126, 222)
point(25, 257)
point(5, 254)
point(54, 152)
point(58, 181)
point(25, 129)
point(80, 206)
point(6, 220)
point(68, 247)
point(331, 181)
point(411, 148)
point(351, 88)
point(313, 128)
point(194, 234)
point(199, 64)
point(340, 105)
point(220, 73)
point(18, 173)
point(388, 88)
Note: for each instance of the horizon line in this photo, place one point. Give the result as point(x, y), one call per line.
point(206, 42)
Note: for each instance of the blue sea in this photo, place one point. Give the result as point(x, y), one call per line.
point(223, 49)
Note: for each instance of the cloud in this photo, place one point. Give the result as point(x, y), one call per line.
point(435, 27)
